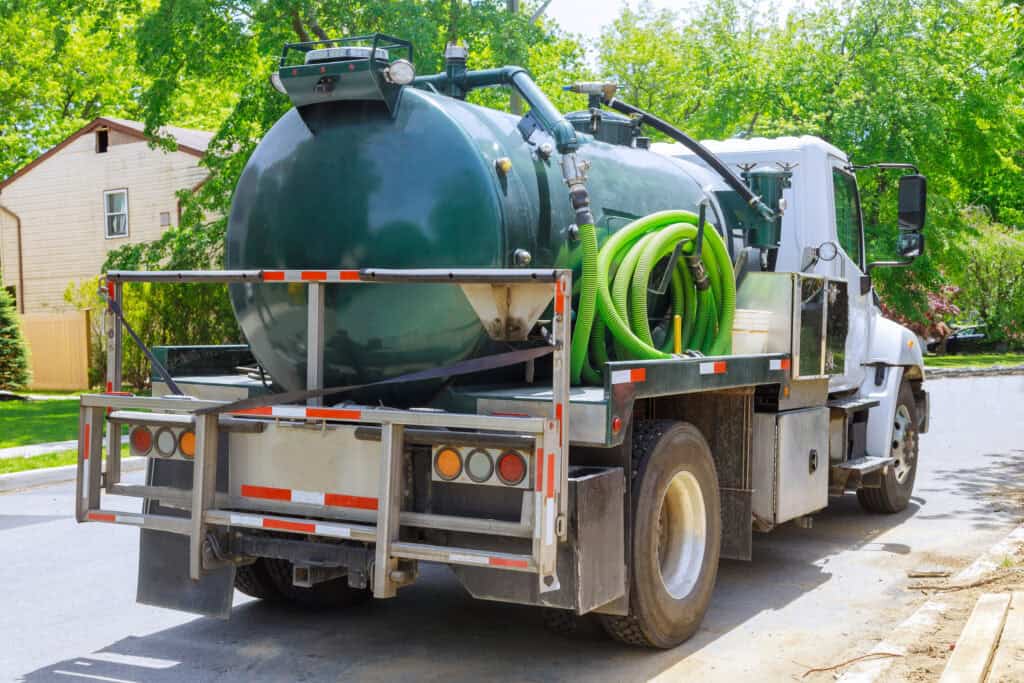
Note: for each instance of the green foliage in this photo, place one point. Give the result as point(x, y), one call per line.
point(14, 372)
point(992, 284)
point(168, 314)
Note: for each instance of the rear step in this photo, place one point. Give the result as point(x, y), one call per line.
point(867, 464)
point(853, 405)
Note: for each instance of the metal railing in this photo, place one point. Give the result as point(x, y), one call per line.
point(543, 518)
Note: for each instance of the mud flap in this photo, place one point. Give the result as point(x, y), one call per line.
point(163, 556)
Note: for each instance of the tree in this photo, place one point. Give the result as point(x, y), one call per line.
point(14, 372)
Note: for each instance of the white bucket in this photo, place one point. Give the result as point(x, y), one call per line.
point(750, 331)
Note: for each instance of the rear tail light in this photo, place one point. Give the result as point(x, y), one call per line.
point(141, 440)
point(511, 468)
point(187, 444)
point(448, 464)
point(166, 442)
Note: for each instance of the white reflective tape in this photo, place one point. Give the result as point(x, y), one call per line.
point(130, 519)
point(775, 364)
point(467, 559)
point(549, 521)
point(133, 660)
point(707, 368)
point(620, 377)
point(308, 497)
point(332, 530)
point(289, 411)
point(246, 520)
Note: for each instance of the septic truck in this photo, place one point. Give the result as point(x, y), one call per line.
point(576, 367)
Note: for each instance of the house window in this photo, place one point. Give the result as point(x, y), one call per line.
point(115, 210)
point(165, 219)
point(102, 140)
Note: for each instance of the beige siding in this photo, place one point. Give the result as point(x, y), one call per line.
point(60, 203)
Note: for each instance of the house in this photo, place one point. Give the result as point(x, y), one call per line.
point(99, 189)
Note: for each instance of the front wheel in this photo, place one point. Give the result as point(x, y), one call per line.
point(677, 533)
point(898, 481)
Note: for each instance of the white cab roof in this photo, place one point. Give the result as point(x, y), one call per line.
point(784, 149)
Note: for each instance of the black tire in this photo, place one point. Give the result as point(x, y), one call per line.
point(894, 495)
point(567, 623)
point(329, 594)
point(254, 580)
point(661, 450)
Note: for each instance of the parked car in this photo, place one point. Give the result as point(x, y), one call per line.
point(963, 340)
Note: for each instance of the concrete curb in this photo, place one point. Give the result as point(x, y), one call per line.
point(56, 475)
point(924, 620)
point(994, 371)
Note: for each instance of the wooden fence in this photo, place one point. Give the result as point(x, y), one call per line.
point(58, 345)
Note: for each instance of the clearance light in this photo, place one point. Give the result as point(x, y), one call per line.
point(141, 440)
point(479, 466)
point(187, 444)
point(448, 464)
point(511, 468)
point(166, 442)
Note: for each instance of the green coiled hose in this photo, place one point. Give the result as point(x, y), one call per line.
point(616, 276)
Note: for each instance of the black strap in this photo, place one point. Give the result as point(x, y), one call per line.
point(466, 367)
point(145, 349)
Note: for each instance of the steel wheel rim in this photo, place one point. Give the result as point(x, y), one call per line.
point(900, 436)
point(682, 535)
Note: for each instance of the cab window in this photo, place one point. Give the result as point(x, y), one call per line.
point(848, 222)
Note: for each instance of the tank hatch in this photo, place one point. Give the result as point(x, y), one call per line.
point(606, 126)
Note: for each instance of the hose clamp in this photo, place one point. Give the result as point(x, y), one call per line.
point(699, 272)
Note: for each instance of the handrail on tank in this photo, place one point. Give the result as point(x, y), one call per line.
point(377, 39)
point(425, 275)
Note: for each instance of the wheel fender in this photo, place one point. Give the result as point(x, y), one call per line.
point(893, 344)
point(895, 352)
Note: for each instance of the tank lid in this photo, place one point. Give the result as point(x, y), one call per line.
point(342, 54)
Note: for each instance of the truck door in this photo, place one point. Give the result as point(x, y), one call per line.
point(850, 264)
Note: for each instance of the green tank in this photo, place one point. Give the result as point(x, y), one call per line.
point(415, 182)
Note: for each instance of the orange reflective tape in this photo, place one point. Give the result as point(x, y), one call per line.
point(551, 475)
point(348, 275)
point(285, 525)
point(101, 517)
point(558, 416)
point(314, 275)
point(340, 500)
point(266, 410)
point(559, 297)
point(720, 367)
point(638, 375)
point(505, 562)
point(266, 492)
point(333, 413)
point(785, 364)
point(539, 464)
point(85, 446)
point(273, 276)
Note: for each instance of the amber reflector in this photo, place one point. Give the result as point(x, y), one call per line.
point(448, 463)
point(187, 444)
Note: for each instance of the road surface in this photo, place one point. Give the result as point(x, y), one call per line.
point(811, 597)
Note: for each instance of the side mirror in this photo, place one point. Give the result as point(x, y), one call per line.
point(912, 200)
point(910, 244)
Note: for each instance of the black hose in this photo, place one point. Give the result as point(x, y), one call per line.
point(730, 177)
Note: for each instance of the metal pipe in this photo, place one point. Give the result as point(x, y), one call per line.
point(185, 275)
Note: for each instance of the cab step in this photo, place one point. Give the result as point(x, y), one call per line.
point(866, 464)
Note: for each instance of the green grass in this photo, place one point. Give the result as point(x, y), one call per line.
point(977, 360)
point(38, 462)
point(23, 423)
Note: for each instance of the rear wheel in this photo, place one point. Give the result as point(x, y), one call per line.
point(898, 481)
point(333, 593)
point(677, 532)
point(254, 580)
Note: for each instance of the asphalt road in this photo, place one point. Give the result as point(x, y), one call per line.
point(811, 597)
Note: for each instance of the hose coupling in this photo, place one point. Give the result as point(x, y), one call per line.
point(699, 272)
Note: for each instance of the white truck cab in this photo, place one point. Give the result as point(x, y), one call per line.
point(823, 212)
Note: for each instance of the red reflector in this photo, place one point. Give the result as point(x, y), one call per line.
point(616, 425)
point(511, 468)
point(141, 440)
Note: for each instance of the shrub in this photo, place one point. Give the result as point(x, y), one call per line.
point(14, 373)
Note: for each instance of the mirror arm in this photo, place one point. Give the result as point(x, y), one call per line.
point(889, 264)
